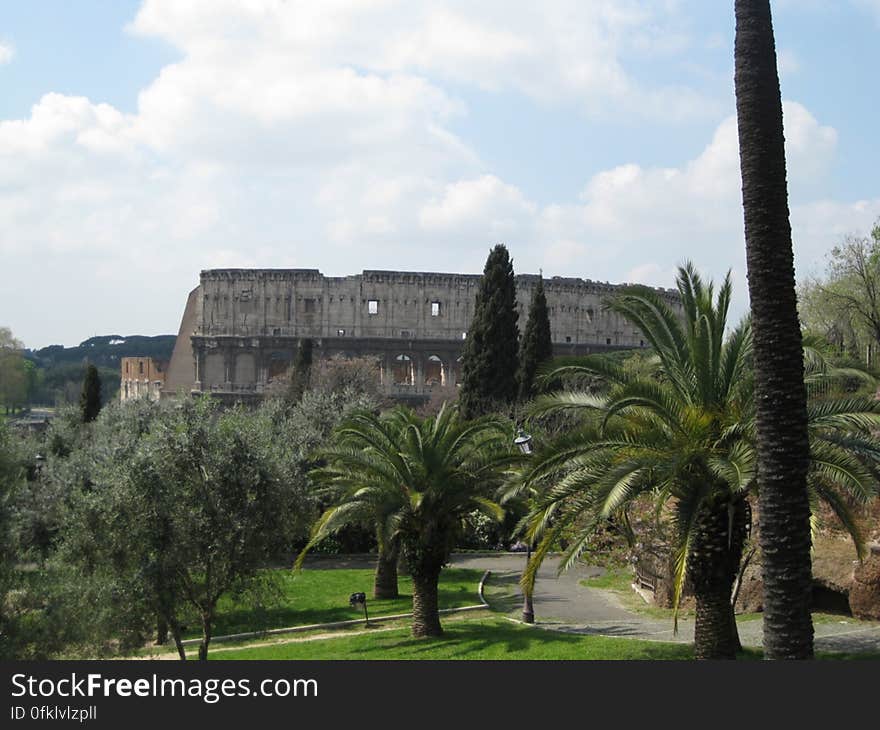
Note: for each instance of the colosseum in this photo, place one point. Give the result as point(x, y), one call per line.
point(241, 327)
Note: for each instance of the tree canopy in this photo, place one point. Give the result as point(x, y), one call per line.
point(490, 354)
point(843, 305)
point(686, 436)
point(537, 345)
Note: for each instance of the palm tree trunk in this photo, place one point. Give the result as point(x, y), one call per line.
point(426, 615)
point(385, 584)
point(717, 546)
point(780, 395)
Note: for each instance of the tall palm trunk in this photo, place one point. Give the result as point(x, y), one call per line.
point(426, 614)
point(425, 563)
point(385, 584)
point(713, 562)
point(780, 395)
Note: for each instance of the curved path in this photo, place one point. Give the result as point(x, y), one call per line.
point(561, 603)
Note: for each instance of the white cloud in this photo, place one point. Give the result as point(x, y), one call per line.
point(651, 275)
point(89, 190)
point(482, 199)
point(337, 53)
point(7, 52)
point(320, 135)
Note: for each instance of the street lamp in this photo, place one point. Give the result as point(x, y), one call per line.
point(360, 599)
point(524, 443)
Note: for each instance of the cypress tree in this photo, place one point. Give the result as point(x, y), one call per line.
point(537, 347)
point(90, 399)
point(302, 370)
point(490, 355)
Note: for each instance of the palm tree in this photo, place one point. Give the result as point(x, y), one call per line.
point(685, 437)
point(361, 507)
point(783, 445)
point(418, 479)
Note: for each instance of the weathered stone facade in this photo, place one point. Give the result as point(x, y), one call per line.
point(247, 323)
point(141, 377)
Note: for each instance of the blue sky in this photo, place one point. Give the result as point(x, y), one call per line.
point(141, 142)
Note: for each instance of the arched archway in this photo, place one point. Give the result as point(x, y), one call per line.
point(435, 371)
point(402, 370)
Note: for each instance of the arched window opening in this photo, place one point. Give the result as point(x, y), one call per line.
point(435, 373)
point(402, 370)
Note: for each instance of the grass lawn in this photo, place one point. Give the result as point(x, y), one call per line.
point(321, 596)
point(484, 638)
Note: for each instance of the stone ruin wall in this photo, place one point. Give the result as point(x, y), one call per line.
point(248, 323)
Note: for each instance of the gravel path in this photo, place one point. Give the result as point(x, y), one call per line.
point(561, 603)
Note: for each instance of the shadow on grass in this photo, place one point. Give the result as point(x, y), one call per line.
point(481, 640)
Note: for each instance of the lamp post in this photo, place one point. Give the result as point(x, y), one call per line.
point(360, 599)
point(524, 443)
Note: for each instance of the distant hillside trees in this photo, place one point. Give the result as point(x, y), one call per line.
point(57, 372)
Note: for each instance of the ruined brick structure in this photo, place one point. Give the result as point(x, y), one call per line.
point(241, 326)
point(141, 377)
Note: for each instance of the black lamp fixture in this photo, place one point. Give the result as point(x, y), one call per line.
point(360, 599)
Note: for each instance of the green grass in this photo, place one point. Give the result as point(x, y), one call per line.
point(617, 580)
point(321, 596)
point(484, 638)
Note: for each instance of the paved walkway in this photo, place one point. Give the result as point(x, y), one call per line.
point(561, 603)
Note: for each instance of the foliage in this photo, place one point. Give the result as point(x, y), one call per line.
point(182, 509)
point(422, 477)
point(11, 475)
point(685, 436)
point(90, 400)
point(490, 353)
point(120, 513)
point(301, 371)
point(105, 351)
point(843, 306)
point(351, 377)
point(57, 372)
point(62, 383)
point(15, 374)
point(537, 345)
